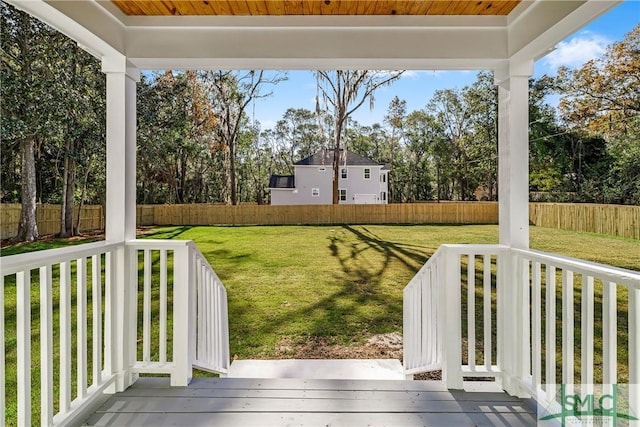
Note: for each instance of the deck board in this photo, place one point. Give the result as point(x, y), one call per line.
point(280, 402)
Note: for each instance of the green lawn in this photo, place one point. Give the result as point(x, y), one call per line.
point(289, 285)
point(286, 284)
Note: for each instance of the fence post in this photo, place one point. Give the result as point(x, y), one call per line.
point(182, 313)
point(452, 372)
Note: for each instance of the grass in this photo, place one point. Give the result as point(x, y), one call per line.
point(289, 284)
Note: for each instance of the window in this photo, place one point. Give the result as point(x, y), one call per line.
point(367, 173)
point(383, 196)
point(315, 192)
point(343, 194)
point(383, 177)
point(343, 173)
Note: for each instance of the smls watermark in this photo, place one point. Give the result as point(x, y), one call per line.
point(588, 405)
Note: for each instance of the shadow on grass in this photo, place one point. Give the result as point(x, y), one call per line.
point(166, 232)
point(363, 298)
point(411, 256)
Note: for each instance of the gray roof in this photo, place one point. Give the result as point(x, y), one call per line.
point(325, 158)
point(282, 181)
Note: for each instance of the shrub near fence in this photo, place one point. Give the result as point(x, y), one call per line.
point(48, 219)
point(606, 219)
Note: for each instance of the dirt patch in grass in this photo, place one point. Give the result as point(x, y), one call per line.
point(379, 346)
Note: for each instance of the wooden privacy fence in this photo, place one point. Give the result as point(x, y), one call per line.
point(616, 220)
point(48, 219)
point(436, 213)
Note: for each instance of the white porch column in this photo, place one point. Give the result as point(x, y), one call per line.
point(513, 195)
point(513, 153)
point(120, 221)
point(120, 224)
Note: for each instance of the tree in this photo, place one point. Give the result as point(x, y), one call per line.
point(601, 100)
point(344, 91)
point(482, 99)
point(424, 137)
point(231, 94)
point(177, 138)
point(453, 112)
point(23, 92)
point(298, 135)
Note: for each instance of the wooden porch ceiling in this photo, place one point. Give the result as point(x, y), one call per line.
point(315, 7)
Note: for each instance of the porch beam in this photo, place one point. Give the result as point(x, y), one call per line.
point(95, 31)
point(512, 79)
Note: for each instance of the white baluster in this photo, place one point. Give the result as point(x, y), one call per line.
point(65, 336)
point(23, 334)
point(486, 293)
point(163, 306)
point(81, 331)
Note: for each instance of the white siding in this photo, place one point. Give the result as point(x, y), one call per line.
point(359, 188)
point(309, 177)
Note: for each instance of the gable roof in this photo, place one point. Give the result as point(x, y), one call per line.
point(325, 158)
point(282, 181)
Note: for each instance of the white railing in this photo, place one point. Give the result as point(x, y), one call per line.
point(89, 302)
point(199, 306)
point(435, 337)
point(518, 296)
point(422, 317)
point(92, 298)
point(212, 325)
point(599, 307)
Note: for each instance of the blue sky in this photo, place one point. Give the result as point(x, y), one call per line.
point(417, 88)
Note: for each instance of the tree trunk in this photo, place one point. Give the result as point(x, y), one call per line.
point(336, 157)
point(63, 200)
point(68, 198)
point(28, 228)
point(76, 229)
point(233, 179)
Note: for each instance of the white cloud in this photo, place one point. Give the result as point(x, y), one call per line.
point(575, 52)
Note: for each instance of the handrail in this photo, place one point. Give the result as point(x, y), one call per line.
point(578, 287)
point(422, 328)
point(199, 308)
point(433, 330)
point(629, 278)
point(54, 268)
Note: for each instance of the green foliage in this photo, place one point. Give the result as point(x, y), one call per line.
point(600, 102)
point(198, 141)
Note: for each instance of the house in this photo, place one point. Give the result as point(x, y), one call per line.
point(362, 181)
point(503, 36)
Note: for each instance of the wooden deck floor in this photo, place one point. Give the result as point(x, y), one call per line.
point(285, 402)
